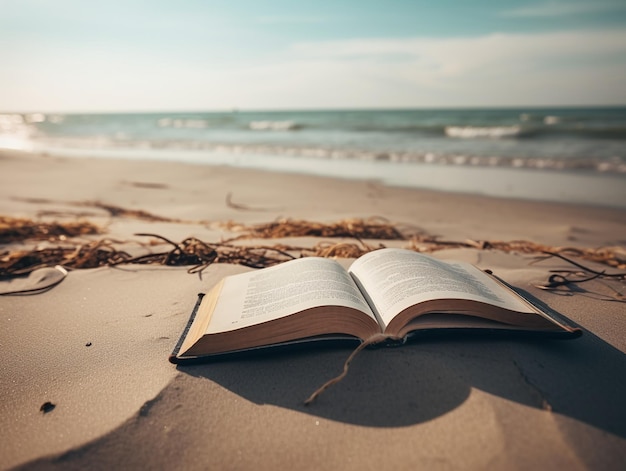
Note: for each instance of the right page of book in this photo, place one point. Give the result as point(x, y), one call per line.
point(396, 279)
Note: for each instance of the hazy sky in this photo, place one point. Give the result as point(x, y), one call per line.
point(134, 55)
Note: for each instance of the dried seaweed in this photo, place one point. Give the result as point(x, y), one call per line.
point(611, 256)
point(199, 254)
point(19, 229)
point(372, 228)
point(190, 252)
point(87, 255)
point(335, 250)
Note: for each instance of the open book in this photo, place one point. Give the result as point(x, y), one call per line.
point(395, 292)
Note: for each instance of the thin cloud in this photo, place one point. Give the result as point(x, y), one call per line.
point(469, 52)
point(555, 9)
point(286, 19)
point(548, 68)
point(543, 69)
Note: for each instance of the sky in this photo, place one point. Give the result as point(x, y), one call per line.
point(158, 55)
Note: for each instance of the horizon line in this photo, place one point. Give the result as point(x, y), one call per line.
point(322, 109)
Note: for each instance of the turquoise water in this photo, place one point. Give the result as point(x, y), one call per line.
point(587, 139)
point(560, 154)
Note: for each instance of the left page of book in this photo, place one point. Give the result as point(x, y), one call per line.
point(270, 294)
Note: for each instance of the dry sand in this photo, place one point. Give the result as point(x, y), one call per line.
point(445, 404)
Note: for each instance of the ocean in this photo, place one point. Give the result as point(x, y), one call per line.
point(450, 149)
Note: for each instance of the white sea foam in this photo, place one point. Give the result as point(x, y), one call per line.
point(35, 118)
point(272, 125)
point(15, 143)
point(24, 141)
point(56, 118)
point(182, 123)
point(550, 120)
point(15, 132)
point(491, 132)
point(9, 122)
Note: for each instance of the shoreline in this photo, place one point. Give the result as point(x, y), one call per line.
point(191, 191)
point(541, 185)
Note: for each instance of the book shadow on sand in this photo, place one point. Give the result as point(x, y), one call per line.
point(394, 387)
point(580, 378)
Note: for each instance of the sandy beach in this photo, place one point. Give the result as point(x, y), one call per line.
point(96, 345)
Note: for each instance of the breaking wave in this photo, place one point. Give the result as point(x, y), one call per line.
point(274, 125)
point(491, 132)
point(182, 123)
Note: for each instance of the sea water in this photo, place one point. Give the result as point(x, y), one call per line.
point(561, 154)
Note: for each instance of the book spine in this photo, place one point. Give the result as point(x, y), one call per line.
point(174, 355)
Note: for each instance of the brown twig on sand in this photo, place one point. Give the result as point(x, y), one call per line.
point(117, 211)
point(566, 280)
point(240, 207)
point(114, 211)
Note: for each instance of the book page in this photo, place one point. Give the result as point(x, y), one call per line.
point(396, 279)
point(271, 293)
